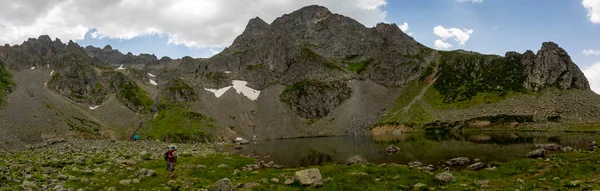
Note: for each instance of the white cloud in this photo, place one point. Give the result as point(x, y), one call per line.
point(591, 52)
point(593, 76)
point(440, 44)
point(404, 27)
point(207, 23)
point(593, 9)
point(461, 36)
point(473, 1)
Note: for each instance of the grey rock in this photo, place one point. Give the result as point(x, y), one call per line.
point(29, 184)
point(549, 147)
point(222, 166)
point(241, 141)
point(458, 161)
point(356, 159)
point(314, 99)
point(476, 166)
point(392, 149)
point(536, 153)
point(222, 185)
point(125, 182)
point(275, 180)
point(552, 66)
point(308, 176)
point(567, 149)
point(415, 164)
point(445, 177)
point(177, 90)
point(419, 185)
point(288, 181)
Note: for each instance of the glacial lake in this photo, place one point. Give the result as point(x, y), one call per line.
point(428, 148)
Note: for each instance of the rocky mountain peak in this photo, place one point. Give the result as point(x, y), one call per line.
point(304, 16)
point(107, 47)
point(552, 66)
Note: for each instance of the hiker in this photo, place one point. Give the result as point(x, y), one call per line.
point(171, 158)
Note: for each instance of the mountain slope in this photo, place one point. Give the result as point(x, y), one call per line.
point(308, 73)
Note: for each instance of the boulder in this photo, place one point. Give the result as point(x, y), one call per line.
point(392, 149)
point(415, 164)
point(274, 180)
point(241, 141)
point(222, 166)
point(549, 147)
point(288, 181)
point(419, 185)
point(250, 185)
point(458, 161)
point(308, 177)
point(29, 184)
point(476, 166)
point(356, 159)
point(445, 177)
point(222, 185)
point(125, 182)
point(567, 149)
point(536, 153)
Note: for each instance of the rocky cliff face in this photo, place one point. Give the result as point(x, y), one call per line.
point(115, 58)
point(313, 99)
point(552, 66)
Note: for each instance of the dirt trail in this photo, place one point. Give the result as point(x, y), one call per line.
point(430, 80)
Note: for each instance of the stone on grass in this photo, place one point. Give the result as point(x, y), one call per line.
point(29, 184)
point(309, 176)
point(549, 147)
point(356, 159)
point(476, 166)
point(274, 180)
point(445, 177)
point(567, 149)
point(222, 166)
point(288, 181)
point(536, 153)
point(458, 161)
point(125, 182)
point(419, 185)
point(222, 185)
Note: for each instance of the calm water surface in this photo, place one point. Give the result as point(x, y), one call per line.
point(429, 148)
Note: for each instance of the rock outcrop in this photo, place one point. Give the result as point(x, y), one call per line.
point(552, 66)
point(313, 99)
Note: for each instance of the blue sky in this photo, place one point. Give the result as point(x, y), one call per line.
point(498, 26)
point(202, 28)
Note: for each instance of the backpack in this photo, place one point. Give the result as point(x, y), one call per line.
point(166, 156)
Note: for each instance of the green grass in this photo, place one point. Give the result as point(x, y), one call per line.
point(6, 83)
point(358, 67)
point(176, 123)
point(417, 115)
point(536, 174)
point(464, 75)
point(129, 92)
point(434, 98)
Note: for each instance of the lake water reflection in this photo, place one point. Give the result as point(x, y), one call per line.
point(429, 148)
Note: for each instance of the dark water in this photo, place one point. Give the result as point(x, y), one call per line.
point(429, 148)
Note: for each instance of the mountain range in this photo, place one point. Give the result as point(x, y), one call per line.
point(308, 73)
